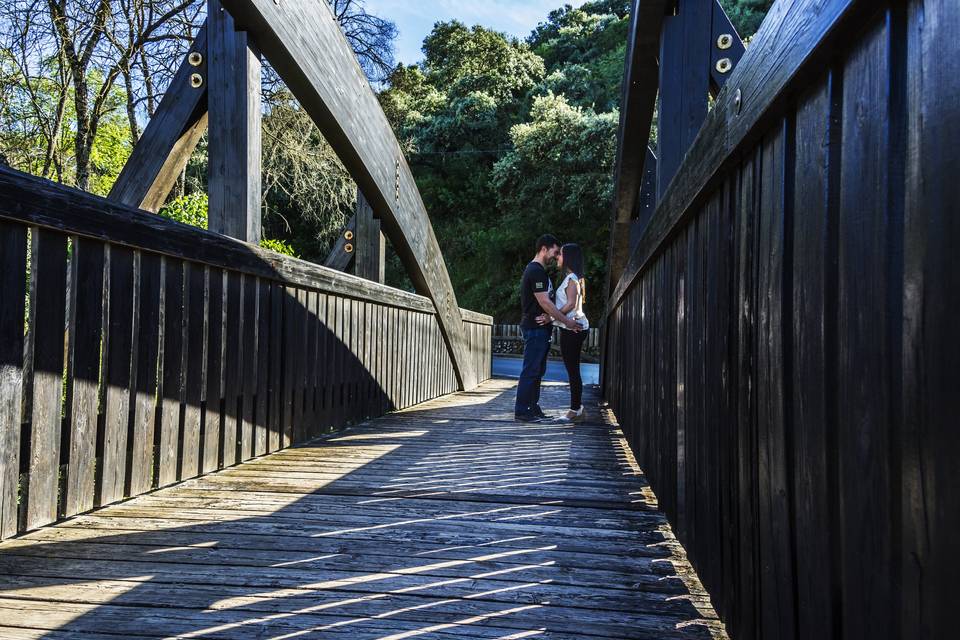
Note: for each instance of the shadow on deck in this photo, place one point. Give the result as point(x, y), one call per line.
point(448, 520)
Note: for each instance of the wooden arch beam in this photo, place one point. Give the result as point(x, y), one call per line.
point(304, 43)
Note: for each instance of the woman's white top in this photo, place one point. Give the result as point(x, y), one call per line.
point(577, 312)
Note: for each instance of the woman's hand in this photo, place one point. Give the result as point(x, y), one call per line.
point(543, 319)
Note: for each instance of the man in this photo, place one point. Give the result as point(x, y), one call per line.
point(538, 310)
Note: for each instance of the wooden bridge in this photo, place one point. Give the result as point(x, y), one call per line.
point(201, 438)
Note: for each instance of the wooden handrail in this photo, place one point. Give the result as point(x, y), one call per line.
point(31, 200)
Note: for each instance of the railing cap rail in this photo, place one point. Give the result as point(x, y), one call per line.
point(476, 318)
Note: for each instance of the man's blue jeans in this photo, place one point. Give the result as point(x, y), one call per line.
point(536, 347)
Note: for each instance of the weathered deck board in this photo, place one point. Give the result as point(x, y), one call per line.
point(447, 520)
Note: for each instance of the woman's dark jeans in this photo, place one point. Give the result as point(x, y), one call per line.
point(571, 346)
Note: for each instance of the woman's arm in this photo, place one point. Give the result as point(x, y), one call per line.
point(573, 292)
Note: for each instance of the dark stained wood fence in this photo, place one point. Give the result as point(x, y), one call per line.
point(782, 350)
point(136, 352)
point(508, 339)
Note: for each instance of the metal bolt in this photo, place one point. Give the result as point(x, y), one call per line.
point(725, 41)
point(738, 101)
point(348, 248)
point(724, 65)
point(398, 181)
point(348, 235)
point(196, 80)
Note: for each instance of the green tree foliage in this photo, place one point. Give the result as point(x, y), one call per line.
point(557, 178)
point(32, 144)
point(585, 49)
point(511, 139)
point(279, 246)
point(308, 195)
point(746, 15)
point(132, 47)
point(192, 209)
point(478, 60)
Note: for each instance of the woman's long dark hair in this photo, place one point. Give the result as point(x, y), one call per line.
point(573, 262)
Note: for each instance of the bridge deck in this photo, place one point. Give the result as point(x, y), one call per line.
point(444, 521)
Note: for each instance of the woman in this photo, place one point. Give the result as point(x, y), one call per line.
point(570, 298)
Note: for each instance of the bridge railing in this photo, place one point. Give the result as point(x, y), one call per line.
point(508, 340)
point(136, 352)
point(782, 345)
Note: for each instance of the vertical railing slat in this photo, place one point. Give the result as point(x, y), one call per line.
point(13, 278)
point(232, 362)
point(143, 426)
point(119, 361)
point(47, 317)
point(261, 417)
point(86, 330)
point(249, 374)
point(196, 288)
point(275, 389)
point(213, 372)
point(172, 376)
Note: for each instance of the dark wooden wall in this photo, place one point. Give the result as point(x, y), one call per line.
point(780, 350)
point(136, 352)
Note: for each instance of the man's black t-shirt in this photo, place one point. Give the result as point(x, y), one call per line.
point(535, 280)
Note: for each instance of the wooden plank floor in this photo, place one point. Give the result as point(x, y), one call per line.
point(448, 520)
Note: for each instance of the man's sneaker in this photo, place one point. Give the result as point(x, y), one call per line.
point(527, 417)
point(537, 411)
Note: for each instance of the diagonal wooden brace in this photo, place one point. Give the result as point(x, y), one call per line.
point(170, 137)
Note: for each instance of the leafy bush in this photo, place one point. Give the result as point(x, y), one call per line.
point(190, 209)
point(279, 246)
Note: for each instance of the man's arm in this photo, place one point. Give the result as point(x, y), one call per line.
point(551, 309)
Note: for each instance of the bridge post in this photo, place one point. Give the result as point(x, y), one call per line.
point(234, 128)
point(370, 254)
point(685, 54)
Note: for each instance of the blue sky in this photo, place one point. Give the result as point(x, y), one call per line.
point(415, 18)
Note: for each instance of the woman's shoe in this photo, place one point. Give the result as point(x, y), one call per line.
point(576, 416)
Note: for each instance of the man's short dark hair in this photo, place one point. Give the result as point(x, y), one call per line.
point(547, 241)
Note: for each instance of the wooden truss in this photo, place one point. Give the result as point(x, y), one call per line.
point(698, 46)
point(360, 245)
point(217, 89)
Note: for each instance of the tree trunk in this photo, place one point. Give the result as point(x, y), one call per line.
point(53, 142)
point(131, 106)
point(148, 83)
point(83, 145)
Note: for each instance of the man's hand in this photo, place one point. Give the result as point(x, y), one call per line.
point(551, 310)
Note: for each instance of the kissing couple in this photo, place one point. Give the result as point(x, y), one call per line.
point(544, 307)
